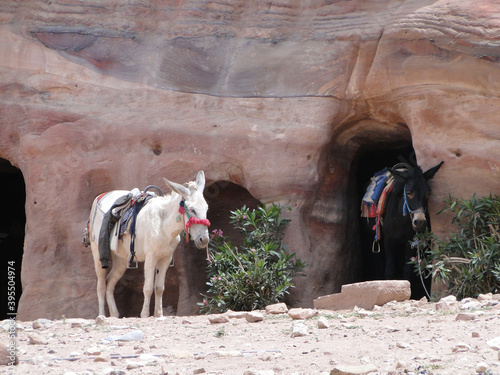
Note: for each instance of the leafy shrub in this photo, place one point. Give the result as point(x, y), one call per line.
point(260, 272)
point(469, 261)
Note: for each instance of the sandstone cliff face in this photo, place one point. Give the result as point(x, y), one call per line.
point(282, 98)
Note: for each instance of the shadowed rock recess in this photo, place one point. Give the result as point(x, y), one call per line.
point(277, 101)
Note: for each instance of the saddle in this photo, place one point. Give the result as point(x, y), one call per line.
point(114, 214)
point(374, 201)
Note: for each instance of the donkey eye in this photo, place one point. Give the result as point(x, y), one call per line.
point(409, 194)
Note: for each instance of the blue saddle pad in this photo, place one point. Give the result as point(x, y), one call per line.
point(375, 187)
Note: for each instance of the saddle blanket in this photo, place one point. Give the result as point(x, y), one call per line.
point(377, 184)
point(374, 200)
point(104, 205)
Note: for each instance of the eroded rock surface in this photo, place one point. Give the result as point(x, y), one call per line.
point(280, 98)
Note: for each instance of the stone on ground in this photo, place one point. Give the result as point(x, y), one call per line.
point(365, 295)
point(254, 316)
point(299, 329)
point(323, 323)
point(353, 370)
point(302, 314)
point(36, 339)
point(277, 308)
point(217, 319)
point(5, 356)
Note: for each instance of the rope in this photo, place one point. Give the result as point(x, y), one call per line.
point(419, 270)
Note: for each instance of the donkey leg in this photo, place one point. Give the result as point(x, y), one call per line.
point(117, 271)
point(101, 288)
point(101, 279)
point(149, 277)
point(161, 271)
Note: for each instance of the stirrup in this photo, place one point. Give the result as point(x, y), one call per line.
point(376, 250)
point(129, 260)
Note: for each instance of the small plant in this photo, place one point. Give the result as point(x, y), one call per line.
point(469, 261)
point(257, 274)
point(221, 332)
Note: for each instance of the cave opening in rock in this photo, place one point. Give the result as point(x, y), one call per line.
point(369, 159)
point(222, 198)
point(186, 278)
point(12, 231)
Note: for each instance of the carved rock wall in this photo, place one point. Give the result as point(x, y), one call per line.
point(279, 97)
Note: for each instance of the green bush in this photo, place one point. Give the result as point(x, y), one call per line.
point(469, 261)
point(256, 275)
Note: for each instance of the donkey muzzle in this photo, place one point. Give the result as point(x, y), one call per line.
point(202, 241)
point(418, 220)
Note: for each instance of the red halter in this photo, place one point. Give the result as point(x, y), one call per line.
point(191, 221)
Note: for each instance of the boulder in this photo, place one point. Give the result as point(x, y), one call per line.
point(365, 295)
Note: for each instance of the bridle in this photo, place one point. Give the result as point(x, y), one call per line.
point(192, 220)
point(407, 209)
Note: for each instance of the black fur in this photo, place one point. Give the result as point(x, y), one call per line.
point(397, 230)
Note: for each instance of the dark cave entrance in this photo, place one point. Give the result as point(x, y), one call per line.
point(12, 231)
point(222, 198)
point(186, 278)
point(368, 160)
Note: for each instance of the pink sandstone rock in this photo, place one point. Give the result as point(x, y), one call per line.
point(365, 295)
point(273, 100)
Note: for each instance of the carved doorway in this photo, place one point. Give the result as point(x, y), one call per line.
point(12, 231)
point(368, 161)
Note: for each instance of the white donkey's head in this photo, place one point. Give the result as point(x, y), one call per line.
point(195, 208)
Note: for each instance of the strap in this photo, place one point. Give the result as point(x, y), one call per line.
point(137, 208)
point(154, 187)
point(191, 220)
point(138, 205)
point(406, 206)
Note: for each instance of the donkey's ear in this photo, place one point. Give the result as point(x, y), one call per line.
point(200, 181)
point(178, 188)
point(431, 172)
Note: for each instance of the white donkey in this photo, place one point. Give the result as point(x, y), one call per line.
point(158, 227)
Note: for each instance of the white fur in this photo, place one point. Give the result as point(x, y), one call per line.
point(157, 235)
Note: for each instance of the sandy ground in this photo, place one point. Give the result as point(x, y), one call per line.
point(410, 337)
